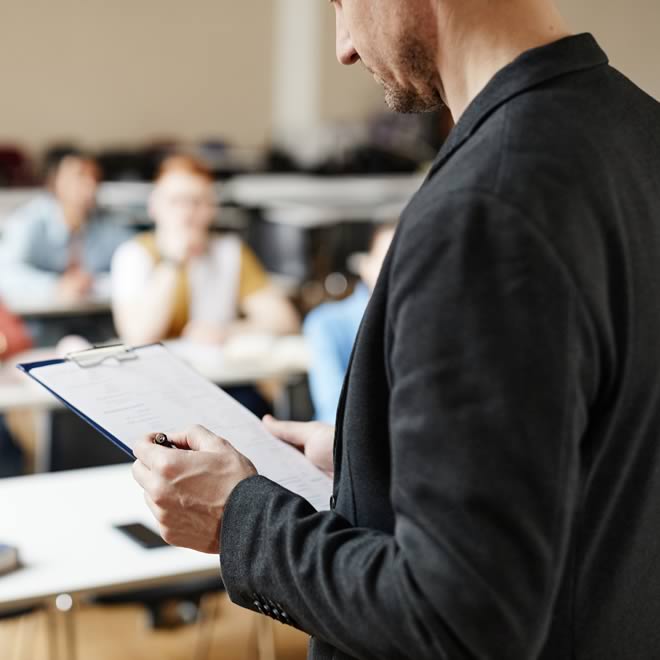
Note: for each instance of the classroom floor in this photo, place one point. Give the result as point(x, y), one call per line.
point(111, 633)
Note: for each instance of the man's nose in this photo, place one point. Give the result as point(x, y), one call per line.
point(346, 53)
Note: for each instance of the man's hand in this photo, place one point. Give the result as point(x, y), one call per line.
point(314, 439)
point(187, 490)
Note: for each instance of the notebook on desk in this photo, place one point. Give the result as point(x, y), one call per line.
point(128, 393)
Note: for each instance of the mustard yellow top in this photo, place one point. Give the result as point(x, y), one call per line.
point(252, 278)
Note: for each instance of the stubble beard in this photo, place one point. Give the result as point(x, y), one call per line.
point(419, 67)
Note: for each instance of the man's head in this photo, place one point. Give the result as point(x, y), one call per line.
point(396, 40)
point(427, 53)
point(73, 178)
point(183, 201)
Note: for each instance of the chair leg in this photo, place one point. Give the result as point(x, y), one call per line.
point(70, 630)
point(209, 606)
point(265, 638)
point(23, 639)
point(51, 626)
point(36, 618)
point(15, 646)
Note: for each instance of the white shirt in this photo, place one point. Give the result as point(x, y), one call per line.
point(213, 278)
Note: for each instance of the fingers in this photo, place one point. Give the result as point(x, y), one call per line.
point(145, 449)
point(157, 491)
point(295, 433)
point(143, 475)
point(156, 464)
point(197, 438)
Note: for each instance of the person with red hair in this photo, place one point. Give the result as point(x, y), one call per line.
point(182, 280)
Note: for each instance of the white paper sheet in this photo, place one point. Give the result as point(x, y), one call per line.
point(159, 393)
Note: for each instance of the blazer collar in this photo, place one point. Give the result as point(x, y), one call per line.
point(532, 68)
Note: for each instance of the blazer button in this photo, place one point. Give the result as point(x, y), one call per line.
point(333, 502)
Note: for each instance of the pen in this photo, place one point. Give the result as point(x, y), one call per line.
point(161, 440)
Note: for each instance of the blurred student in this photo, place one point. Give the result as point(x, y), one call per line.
point(182, 280)
point(331, 328)
point(58, 246)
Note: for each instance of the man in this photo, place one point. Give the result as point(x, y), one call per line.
point(58, 245)
point(183, 280)
point(497, 467)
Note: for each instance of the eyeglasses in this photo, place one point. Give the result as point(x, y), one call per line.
point(192, 202)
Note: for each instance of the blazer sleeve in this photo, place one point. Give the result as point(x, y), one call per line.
point(491, 363)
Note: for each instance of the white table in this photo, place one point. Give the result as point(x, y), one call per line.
point(62, 525)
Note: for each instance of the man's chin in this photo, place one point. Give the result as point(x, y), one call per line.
point(409, 102)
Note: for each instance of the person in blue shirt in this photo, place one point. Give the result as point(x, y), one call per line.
point(331, 328)
point(59, 246)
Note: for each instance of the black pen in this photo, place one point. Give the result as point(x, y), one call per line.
point(162, 441)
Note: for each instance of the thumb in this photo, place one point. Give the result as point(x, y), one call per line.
point(197, 438)
point(291, 432)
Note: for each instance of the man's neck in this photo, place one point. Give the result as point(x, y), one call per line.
point(481, 38)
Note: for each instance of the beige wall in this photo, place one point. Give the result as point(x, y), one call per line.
point(122, 71)
point(628, 30)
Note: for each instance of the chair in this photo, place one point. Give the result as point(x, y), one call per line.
point(173, 606)
point(16, 169)
point(21, 639)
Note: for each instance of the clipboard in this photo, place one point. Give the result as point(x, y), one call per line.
point(128, 393)
point(87, 359)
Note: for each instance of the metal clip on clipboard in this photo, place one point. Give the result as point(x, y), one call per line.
point(92, 357)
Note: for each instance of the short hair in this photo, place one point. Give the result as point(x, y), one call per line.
point(186, 164)
point(54, 157)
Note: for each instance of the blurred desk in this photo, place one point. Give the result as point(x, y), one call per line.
point(344, 195)
point(310, 202)
point(56, 309)
point(62, 525)
point(17, 393)
point(48, 321)
point(336, 192)
point(247, 359)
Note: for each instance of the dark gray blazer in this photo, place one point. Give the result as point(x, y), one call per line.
point(498, 438)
